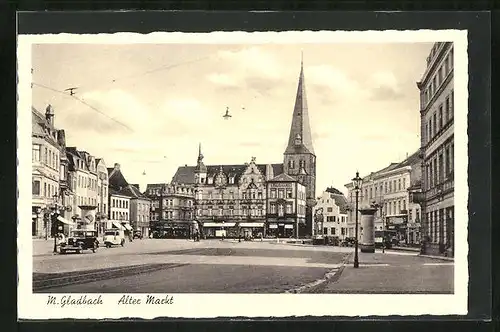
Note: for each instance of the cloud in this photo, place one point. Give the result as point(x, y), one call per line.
point(222, 79)
point(250, 68)
point(385, 86)
point(333, 85)
point(252, 61)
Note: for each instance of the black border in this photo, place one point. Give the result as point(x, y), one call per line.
point(477, 24)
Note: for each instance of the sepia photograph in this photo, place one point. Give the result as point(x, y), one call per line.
point(238, 164)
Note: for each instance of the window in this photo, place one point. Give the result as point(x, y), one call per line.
point(440, 117)
point(36, 187)
point(399, 184)
point(289, 193)
point(404, 204)
point(281, 210)
point(259, 195)
point(281, 193)
point(273, 208)
point(289, 208)
point(329, 209)
point(447, 161)
point(45, 190)
point(332, 231)
point(325, 230)
point(440, 169)
point(35, 153)
point(434, 123)
point(452, 105)
point(447, 110)
point(291, 164)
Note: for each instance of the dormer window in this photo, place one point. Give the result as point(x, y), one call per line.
point(298, 139)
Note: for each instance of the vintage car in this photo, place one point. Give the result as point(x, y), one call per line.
point(80, 240)
point(137, 234)
point(114, 236)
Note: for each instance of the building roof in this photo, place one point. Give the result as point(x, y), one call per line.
point(40, 127)
point(341, 202)
point(283, 178)
point(409, 161)
point(300, 127)
point(333, 190)
point(185, 174)
point(116, 180)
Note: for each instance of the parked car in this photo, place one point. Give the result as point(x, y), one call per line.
point(114, 237)
point(80, 240)
point(137, 234)
point(348, 242)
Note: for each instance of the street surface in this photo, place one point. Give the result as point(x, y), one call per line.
point(229, 266)
point(179, 266)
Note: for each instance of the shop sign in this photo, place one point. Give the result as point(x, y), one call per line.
point(281, 185)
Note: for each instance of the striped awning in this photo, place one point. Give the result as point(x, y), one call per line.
point(117, 225)
point(127, 227)
point(219, 224)
point(252, 224)
point(65, 221)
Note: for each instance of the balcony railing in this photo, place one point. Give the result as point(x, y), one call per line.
point(440, 189)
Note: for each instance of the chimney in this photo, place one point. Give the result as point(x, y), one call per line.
point(61, 138)
point(49, 115)
point(117, 166)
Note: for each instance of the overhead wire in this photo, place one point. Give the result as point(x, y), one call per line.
point(83, 102)
point(165, 67)
point(147, 72)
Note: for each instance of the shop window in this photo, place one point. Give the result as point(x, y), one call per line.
point(36, 187)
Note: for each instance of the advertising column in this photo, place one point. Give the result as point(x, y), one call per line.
point(367, 222)
point(88, 217)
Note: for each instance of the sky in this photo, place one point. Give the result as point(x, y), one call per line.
point(148, 106)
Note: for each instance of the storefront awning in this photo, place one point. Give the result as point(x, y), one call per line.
point(252, 224)
point(117, 225)
point(219, 224)
point(127, 227)
point(65, 221)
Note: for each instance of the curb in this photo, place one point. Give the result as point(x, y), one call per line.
point(438, 257)
point(330, 276)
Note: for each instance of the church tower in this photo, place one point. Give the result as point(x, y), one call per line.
point(200, 171)
point(299, 158)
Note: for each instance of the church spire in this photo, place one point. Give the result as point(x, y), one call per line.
point(200, 166)
point(300, 139)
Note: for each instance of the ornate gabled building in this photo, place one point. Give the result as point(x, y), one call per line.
point(48, 170)
point(171, 210)
point(229, 196)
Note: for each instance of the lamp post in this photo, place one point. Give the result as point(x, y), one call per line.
point(55, 227)
point(357, 181)
point(75, 220)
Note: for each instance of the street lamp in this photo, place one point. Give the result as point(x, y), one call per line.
point(55, 225)
point(356, 182)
